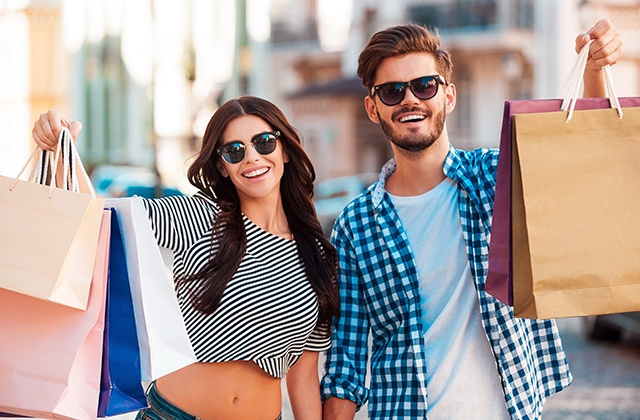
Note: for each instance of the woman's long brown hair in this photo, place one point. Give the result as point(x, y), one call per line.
point(229, 242)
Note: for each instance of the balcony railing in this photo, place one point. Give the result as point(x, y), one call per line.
point(474, 14)
point(281, 33)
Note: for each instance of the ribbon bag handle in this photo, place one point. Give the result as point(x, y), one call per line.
point(45, 160)
point(571, 88)
point(71, 162)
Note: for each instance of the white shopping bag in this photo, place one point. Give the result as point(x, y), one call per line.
point(49, 235)
point(162, 335)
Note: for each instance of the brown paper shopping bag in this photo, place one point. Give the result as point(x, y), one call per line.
point(49, 236)
point(575, 217)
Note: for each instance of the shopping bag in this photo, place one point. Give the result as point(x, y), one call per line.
point(499, 278)
point(51, 354)
point(576, 225)
point(58, 226)
point(120, 385)
point(162, 335)
point(498, 282)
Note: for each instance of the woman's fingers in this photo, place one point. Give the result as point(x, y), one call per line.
point(75, 127)
point(47, 129)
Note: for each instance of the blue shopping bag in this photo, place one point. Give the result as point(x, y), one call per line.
point(120, 385)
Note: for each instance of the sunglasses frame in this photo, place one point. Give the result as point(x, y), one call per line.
point(440, 80)
point(275, 133)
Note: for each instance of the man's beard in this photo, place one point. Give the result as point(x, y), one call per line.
point(414, 141)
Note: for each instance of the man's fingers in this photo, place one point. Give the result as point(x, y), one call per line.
point(606, 47)
point(581, 41)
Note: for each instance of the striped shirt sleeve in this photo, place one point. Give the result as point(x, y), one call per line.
point(319, 340)
point(176, 222)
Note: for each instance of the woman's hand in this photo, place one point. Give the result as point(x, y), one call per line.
point(47, 129)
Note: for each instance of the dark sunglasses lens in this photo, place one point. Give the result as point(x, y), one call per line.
point(264, 143)
point(391, 93)
point(232, 152)
point(424, 87)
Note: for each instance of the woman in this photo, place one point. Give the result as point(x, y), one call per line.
point(255, 277)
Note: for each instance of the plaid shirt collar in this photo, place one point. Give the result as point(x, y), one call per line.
point(450, 169)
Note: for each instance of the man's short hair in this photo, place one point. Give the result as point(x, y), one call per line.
point(401, 40)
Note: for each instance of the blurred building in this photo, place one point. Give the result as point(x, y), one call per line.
point(142, 76)
point(145, 76)
point(33, 77)
point(502, 49)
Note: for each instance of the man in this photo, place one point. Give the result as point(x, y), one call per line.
point(414, 256)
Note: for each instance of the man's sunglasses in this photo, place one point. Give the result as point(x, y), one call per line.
point(423, 88)
point(264, 143)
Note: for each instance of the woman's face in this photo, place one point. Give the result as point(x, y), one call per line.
point(256, 177)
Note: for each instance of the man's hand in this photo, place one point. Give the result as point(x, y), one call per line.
point(606, 49)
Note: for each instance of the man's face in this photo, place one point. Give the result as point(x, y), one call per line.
point(412, 125)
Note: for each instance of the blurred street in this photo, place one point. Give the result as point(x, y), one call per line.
point(606, 378)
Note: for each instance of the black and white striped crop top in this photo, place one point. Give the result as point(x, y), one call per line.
point(268, 312)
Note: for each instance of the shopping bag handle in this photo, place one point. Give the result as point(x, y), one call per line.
point(71, 162)
point(571, 88)
point(45, 159)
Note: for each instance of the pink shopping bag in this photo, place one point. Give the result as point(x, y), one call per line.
point(51, 354)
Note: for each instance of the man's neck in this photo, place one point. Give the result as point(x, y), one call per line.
point(418, 172)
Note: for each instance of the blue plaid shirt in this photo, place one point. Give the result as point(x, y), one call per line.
point(379, 291)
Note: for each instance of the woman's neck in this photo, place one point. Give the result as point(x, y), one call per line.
point(268, 214)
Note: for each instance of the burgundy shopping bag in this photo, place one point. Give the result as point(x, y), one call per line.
point(498, 282)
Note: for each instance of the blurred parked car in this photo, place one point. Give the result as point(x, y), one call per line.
point(332, 195)
point(612, 327)
point(126, 181)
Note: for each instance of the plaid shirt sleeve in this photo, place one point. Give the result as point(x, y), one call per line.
point(346, 361)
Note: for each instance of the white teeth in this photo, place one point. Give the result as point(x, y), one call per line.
point(256, 173)
point(412, 118)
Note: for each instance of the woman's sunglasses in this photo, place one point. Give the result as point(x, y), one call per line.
point(423, 88)
point(264, 143)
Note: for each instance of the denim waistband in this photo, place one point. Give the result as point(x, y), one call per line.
point(162, 409)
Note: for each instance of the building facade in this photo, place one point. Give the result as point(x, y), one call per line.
point(502, 50)
point(145, 76)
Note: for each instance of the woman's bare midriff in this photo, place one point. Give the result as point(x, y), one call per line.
point(229, 390)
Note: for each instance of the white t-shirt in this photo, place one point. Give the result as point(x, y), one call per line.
point(463, 381)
